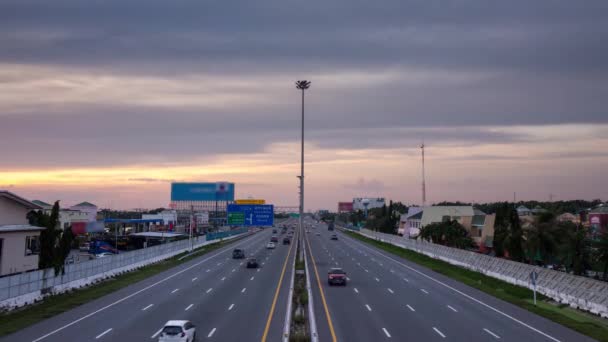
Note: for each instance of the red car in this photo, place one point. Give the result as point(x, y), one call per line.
point(336, 276)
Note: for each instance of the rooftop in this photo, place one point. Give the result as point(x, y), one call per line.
point(85, 204)
point(18, 199)
point(19, 228)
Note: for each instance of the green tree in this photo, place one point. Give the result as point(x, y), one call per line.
point(62, 250)
point(48, 238)
point(575, 249)
point(448, 233)
point(501, 228)
point(514, 240)
point(542, 239)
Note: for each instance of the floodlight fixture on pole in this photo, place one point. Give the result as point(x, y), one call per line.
point(302, 85)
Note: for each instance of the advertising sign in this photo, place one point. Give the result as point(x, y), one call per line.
point(221, 191)
point(345, 207)
point(250, 215)
point(250, 201)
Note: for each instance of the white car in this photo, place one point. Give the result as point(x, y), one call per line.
point(178, 331)
point(270, 245)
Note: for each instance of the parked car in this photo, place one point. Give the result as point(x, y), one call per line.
point(178, 331)
point(103, 255)
point(336, 276)
point(238, 253)
point(270, 245)
point(252, 263)
point(84, 247)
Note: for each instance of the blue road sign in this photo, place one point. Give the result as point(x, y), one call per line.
point(250, 215)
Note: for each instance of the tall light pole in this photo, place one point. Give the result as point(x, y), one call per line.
point(302, 85)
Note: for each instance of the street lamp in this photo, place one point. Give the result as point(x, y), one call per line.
point(302, 85)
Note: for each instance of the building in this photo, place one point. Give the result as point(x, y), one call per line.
point(70, 217)
point(522, 210)
point(168, 217)
point(598, 220)
point(19, 241)
point(358, 203)
point(345, 207)
point(567, 217)
point(479, 224)
point(411, 222)
point(89, 208)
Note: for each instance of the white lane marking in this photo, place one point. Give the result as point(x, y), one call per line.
point(156, 333)
point(208, 270)
point(132, 294)
point(391, 291)
point(377, 279)
point(194, 279)
point(251, 278)
point(439, 332)
point(356, 291)
point(347, 278)
point(223, 278)
point(243, 290)
point(230, 307)
point(174, 290)
point(368, 308)
point(103, 333)
point(258, 270)
point(336, 263)
point(407, 281)
point(147, 307)
point(386, 333)
point(241, 264)
point(463, 294)
point(366, 270)
point(451, 308)
point(425, 291)
point(409, 307)
point(381, 264)
point(491, 333)
point(353, 259)
point(210, 289)
point(211, 332)
point(234, 269)
point(358, 264)
point(219, 263)
point(189, 307)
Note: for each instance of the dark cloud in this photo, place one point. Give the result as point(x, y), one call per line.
point(420, 66)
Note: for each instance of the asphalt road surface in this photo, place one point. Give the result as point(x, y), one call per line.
point(225, 301)
point(388, 298)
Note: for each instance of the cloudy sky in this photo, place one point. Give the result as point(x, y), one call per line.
point(110, 101)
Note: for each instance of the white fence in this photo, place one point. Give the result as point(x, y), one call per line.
point(26, 288)
point(578, 292)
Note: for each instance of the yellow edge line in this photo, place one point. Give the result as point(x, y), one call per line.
point(314, 266)
point(276, 295)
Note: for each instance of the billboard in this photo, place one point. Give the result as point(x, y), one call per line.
point(250, 215)
point(250, 201)
point(220, 191)
point(345, 207)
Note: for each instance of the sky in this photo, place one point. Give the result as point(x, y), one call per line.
point(111, 101)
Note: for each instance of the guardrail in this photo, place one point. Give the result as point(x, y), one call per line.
point(27, 288)
point(578, 292)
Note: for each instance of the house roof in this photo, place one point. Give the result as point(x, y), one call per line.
point(19, 228)
point(436, 213)
point(478, 212)
point(416, 216)
point(85, 204)
point(41, 204)
point(18, 199)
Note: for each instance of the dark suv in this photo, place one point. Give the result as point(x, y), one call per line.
point(286, 241)
point(252, 263)
point(336, 276)
point(334, 237)
point(238, 254)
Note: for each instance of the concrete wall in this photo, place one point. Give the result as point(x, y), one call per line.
point(13, 258)
point(578, 292)
point(12, 213)
point(27, 288)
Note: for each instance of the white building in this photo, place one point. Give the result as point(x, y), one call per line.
point(89, 208)
point(373, 203)
point(168, 216)
point(66, 216)
point(19, 241)
point(411, 222)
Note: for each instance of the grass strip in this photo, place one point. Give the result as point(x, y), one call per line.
point(18, 319)
point(587, 324)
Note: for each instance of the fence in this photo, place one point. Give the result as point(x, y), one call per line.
point(578, 292)
point(26, 288)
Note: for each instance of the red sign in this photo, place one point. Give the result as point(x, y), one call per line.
point(345, 207)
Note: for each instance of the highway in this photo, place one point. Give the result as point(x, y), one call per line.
point(388, 298)
point(225, 301)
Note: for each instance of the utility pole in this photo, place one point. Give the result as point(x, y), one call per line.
point(302, 85)
point(423, 180)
